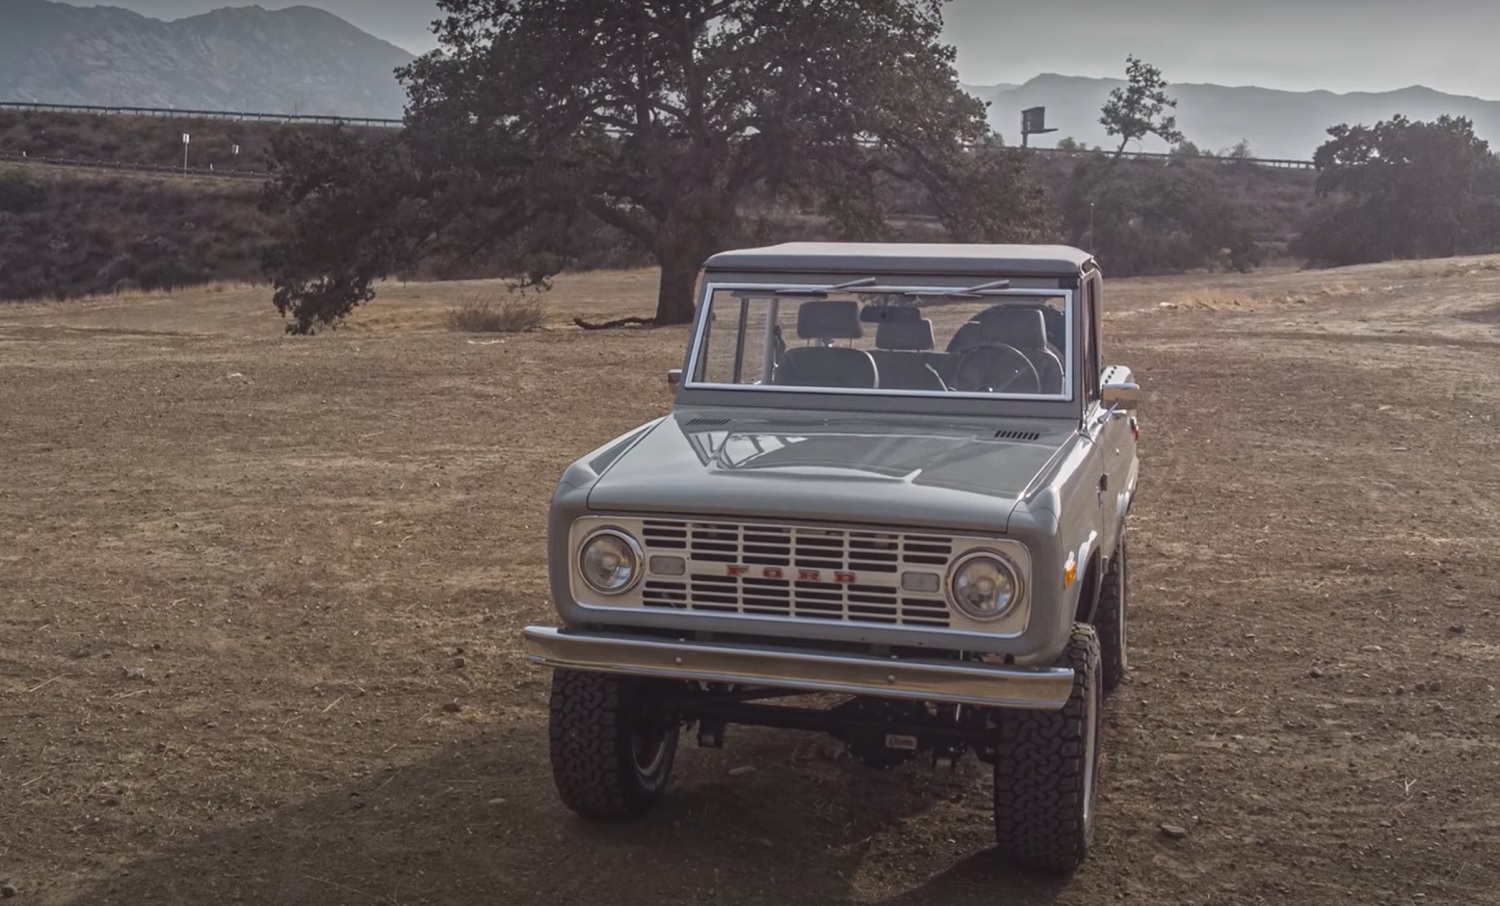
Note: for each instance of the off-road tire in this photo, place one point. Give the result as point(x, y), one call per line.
point(1110, 619)
point(596, 730)
point(1046, 768)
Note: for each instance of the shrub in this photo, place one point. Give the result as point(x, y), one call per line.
point(1159, 220)
point(19, 193)
point(484, 314)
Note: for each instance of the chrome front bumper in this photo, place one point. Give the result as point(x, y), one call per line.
point(984, 685)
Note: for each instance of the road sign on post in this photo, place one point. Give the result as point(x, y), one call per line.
point(1033, 122)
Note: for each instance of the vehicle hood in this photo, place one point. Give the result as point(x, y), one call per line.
point(909, 470)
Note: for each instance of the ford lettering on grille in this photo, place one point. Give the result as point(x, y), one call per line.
point(802, 575)
point(800, 572)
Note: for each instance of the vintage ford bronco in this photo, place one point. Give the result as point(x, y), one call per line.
point(889, 503)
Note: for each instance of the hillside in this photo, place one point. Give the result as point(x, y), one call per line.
point(65, 234)
point(142, 139)
point(1277, 201)
point(1278, 124)
point(69, 233)
point(300, 60)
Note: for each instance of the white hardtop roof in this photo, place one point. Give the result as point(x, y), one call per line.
point(906, 258)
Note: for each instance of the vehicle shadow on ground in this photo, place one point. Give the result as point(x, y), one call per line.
point(479, 822)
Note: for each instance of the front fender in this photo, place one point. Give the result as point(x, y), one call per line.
point(570, 501)
point(1127, 496)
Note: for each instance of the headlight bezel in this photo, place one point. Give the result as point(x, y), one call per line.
point(637, 554)
point(1006, 564)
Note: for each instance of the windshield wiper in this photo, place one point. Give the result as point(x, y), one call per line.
point(971, 292)
point(993, 284)
point(871, 285)
point(821, 291)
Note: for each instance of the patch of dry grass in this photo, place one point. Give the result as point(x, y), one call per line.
point(1451, 267)
point(1470, 268)
point(1223, 300)
point(216, 288)
point(487, 314)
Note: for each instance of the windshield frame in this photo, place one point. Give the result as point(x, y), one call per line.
point(750, 347)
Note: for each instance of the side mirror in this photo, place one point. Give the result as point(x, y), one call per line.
point(674, 377)
point(1123, 396)
point(1118, 389)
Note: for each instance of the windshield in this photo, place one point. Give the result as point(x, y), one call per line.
point(888, 339)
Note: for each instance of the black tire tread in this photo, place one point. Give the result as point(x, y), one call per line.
point(589, 733)
point(1039, 772)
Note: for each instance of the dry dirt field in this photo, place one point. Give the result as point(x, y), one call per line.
point(261, 598)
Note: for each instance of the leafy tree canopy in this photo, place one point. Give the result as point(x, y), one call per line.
point(1404, 189)
point(658, 118)
point(1140, 107)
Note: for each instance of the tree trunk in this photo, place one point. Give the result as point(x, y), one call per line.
point(676, 293)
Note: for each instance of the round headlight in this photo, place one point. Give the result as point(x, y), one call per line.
point(610, 562)
point(984, 586)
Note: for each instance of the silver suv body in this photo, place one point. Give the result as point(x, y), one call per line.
point(895, 478)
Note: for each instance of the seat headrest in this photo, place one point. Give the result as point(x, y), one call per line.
point(1023, 328)
point(829, 319)
point(879, 314)
point(907, 336)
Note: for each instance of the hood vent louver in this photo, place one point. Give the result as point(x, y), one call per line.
point(1017, 435)
point(708, 422)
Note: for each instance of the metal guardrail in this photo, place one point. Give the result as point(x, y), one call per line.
point(1274, 162)
point(180, 113)
point(79, 163)
point(260, 117)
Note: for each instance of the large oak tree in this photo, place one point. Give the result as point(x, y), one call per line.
point(659, 118)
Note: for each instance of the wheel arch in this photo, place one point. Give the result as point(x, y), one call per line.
point(1088, 588)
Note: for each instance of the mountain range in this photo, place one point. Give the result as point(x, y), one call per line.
point(1277, 124)
point(295, 60)
point(306, 60)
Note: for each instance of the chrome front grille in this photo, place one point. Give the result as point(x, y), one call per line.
point(798, 572)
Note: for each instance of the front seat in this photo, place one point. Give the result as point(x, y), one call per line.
point(1023, 328)
point(822, 364)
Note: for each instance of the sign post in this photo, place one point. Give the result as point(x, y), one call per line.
point(1033, 122)
point(185, 139)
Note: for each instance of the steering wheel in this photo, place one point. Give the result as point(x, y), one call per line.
point(980, 369)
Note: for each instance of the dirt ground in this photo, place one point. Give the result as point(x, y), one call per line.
point(261, 601)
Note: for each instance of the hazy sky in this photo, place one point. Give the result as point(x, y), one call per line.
point(1299, 45)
